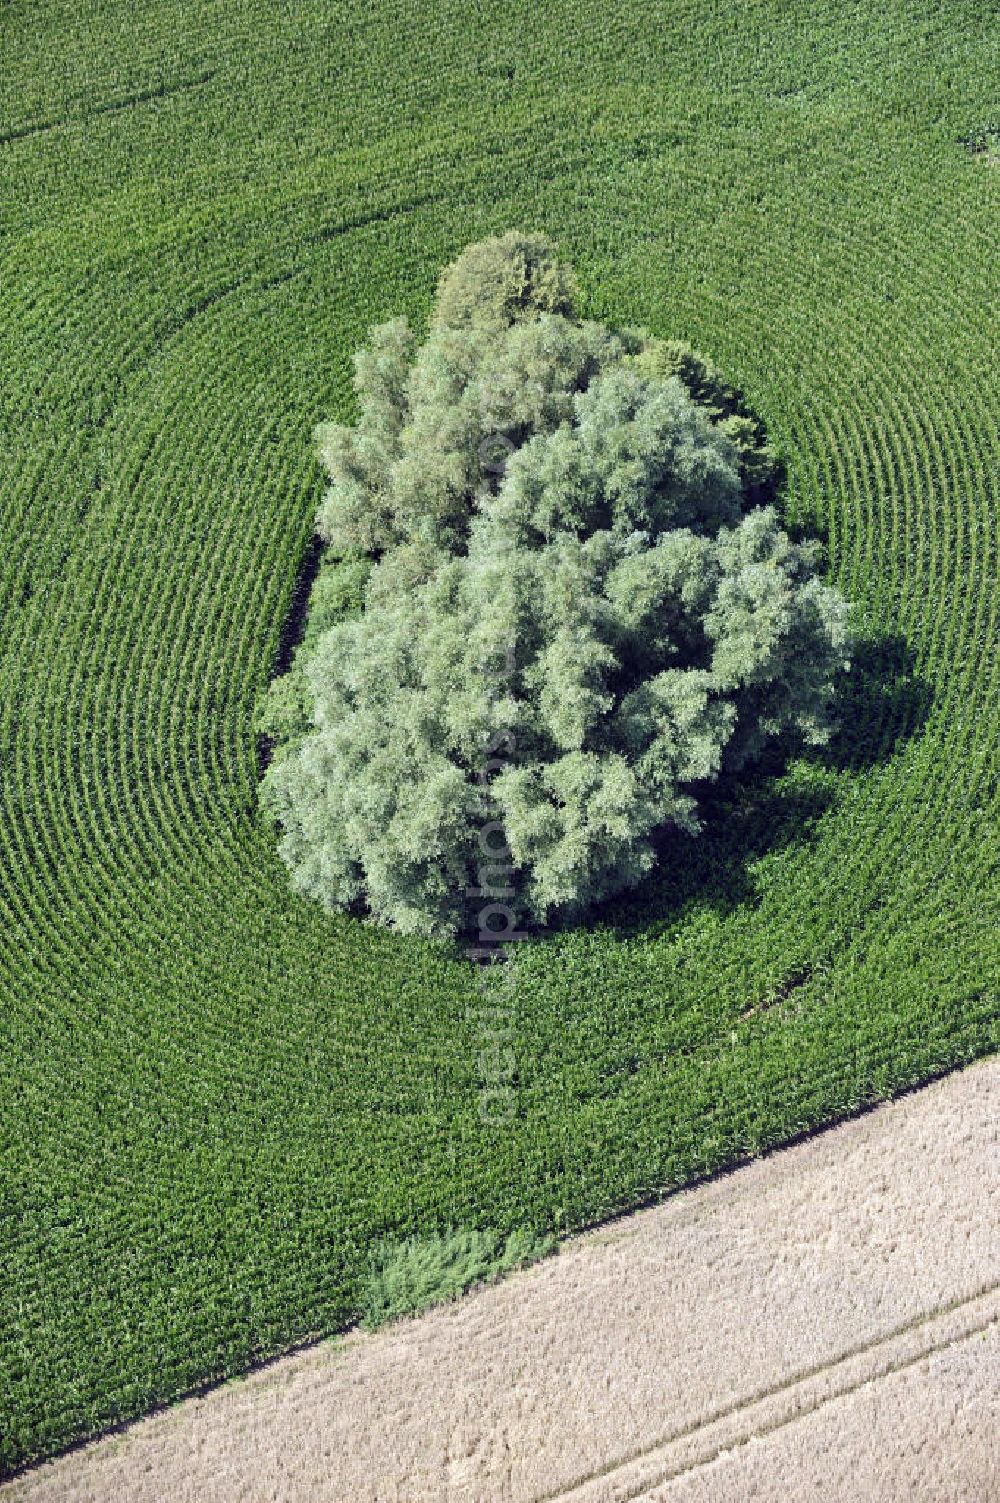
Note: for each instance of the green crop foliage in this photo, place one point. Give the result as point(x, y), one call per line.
point(216, 1099)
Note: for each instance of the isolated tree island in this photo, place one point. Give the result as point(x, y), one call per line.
point(554, 601)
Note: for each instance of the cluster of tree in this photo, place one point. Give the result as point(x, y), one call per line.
point(552, 606)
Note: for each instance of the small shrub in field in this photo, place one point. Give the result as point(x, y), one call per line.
point(409, 1276)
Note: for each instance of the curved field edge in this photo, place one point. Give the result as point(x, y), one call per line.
point(216, 1100)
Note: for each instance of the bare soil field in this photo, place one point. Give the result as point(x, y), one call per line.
point(822, 1324)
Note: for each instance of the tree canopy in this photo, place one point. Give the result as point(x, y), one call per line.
point(552, 605)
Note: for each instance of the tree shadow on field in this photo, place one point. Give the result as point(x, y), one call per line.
point(881, 704)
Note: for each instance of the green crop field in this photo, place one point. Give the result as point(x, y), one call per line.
point(216, 1100)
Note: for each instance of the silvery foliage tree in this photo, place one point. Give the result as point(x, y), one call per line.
point(549, 610)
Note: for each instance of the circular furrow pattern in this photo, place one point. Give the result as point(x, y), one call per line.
point(160, 821)
point(216, 1096)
